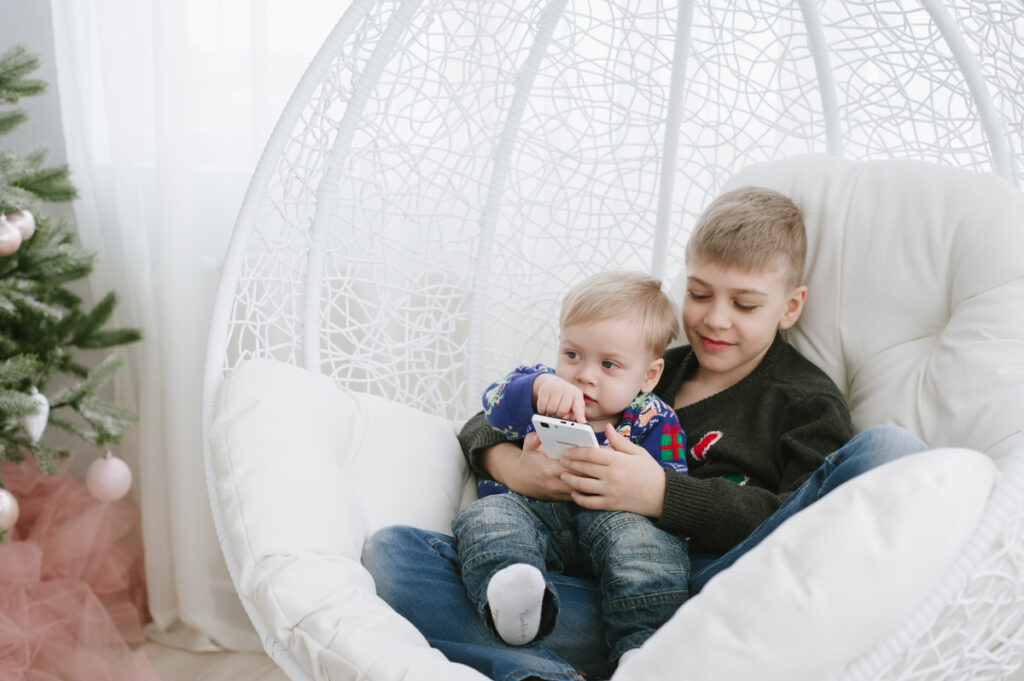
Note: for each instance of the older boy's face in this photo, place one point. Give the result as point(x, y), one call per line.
point(730, 317)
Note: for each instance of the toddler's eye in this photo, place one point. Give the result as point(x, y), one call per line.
point(608, 364)
point(572, 354)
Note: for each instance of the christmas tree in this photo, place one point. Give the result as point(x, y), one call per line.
point(44, 325)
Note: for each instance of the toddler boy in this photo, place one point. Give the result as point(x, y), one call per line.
point(614, 328)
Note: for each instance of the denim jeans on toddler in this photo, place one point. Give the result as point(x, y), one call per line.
point(642, 572)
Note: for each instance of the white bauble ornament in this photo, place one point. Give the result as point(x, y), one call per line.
point(35, 423)
point(8, 510)
point(108, 478)
point(24, 222)
point(10, 237)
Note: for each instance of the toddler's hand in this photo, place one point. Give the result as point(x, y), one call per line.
point(554, 396)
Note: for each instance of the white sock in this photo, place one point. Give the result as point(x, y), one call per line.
point(515, 595)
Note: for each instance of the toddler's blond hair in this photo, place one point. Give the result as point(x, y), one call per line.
point(624, 294)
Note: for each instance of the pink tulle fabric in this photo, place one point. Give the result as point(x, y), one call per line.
point(72, 586)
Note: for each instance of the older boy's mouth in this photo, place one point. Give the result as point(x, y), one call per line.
point(712, 344)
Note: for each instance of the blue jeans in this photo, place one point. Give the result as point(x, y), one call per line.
point(418, 573)
point(642, 572)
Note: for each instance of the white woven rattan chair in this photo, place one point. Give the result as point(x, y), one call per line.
point(445, 170)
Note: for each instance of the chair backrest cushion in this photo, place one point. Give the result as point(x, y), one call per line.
point(916, 293)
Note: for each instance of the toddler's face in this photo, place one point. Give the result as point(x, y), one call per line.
point(730, 316)
point(609, 361)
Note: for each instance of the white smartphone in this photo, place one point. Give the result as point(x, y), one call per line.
point(558, 435)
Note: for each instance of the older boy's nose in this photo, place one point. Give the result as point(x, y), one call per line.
point(717, 316)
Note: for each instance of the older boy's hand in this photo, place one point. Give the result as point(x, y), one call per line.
point(620, 477)
point(554, 396)
point(527, 471)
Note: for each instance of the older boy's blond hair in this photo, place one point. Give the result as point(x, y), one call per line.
point(621, 294)
point(753, 228)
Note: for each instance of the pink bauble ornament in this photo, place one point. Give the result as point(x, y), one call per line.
point(10, 237)
point(108, 478)
point(8, 510)
point(24, 222)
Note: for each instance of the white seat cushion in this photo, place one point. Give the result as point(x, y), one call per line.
point(831, 581)
point(304, 473)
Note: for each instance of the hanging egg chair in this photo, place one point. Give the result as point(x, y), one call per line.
point(446, 169)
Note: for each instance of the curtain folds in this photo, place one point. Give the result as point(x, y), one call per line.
point(166, 105)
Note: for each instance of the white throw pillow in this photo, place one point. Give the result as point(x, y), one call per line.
point(831, 581)
point(304, 473)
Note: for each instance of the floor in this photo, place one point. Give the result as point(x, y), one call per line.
point(173, 664)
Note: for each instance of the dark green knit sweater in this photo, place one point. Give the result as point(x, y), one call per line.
point(748, 446)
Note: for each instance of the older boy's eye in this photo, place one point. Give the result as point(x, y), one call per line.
point(698, 296)
point(745, 308)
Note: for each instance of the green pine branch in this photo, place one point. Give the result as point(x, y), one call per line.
point(109, 420)
point(14, 404)
point(15, 65)
point(89, 334)
point(9, 120)
point(47, 456)
point(48, 183)
point(18, 369)
point(30, 177)
point(73, 395)
point(82, 432)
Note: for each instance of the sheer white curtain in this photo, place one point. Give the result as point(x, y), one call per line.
point(166, 105)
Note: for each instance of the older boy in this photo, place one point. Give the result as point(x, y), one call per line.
point(613, 330)
point(766, 430)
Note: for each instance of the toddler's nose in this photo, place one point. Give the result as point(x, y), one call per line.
point(586, 375)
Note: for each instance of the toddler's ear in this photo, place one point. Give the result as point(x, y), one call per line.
point(652, 375)
point(794, 306)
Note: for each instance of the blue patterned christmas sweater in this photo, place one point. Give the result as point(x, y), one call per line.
point(647, 421)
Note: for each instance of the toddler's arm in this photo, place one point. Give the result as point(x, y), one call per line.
point(508, 404)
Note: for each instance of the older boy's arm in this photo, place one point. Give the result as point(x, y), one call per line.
point(475, 438)
point(717, 513)
point(817, 426)
point(521, 468)
point(693, 508)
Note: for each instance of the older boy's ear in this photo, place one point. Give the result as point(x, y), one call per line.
point(794, 306)
point(652, 375)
